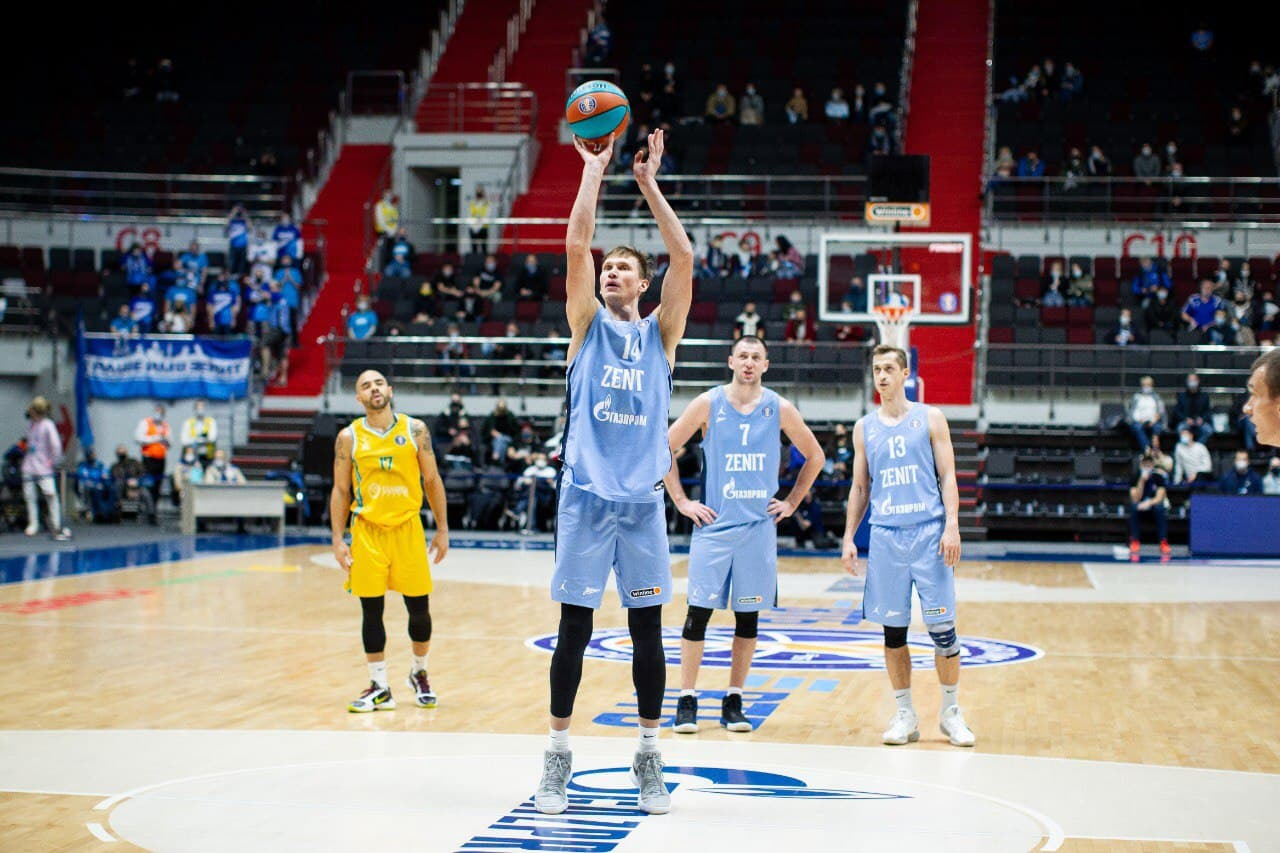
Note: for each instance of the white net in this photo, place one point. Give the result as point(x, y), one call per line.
point(893, 322)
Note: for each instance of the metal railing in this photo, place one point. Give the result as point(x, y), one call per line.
point(1102, 200)
point(904, 77)
point(772, 196)
point(479, 108)
point(140, 193)
point(506, 52)
point(371, 92)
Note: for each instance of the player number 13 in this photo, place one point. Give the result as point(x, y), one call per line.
point(897, 447)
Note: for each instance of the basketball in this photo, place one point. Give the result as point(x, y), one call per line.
point(597, 111)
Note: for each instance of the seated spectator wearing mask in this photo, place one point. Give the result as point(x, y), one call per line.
point(1147, 496)
point(1146, 413)
point(1271, 480)
point(222, 471)
point(363, 322)
point(1194, 410)
point(1241, 479)
point(1192, 463)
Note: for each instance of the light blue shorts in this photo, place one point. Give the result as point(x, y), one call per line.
point(734, 567)
point(595, 535)
point(899, 558)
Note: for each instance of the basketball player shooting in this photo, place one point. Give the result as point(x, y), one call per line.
point(904, 468)
point(611, 514)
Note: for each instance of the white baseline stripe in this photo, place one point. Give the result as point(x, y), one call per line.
point(100, 833)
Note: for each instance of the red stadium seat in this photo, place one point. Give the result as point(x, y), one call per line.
point(1026, 290)
point(1053, 316)
point(1106, 292)
point(1104, 267)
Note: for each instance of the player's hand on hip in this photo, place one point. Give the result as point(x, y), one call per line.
point(342, 553)
point(779, 510)
point(648, 160)
point(592, 155)
point(849, 556)
point(439, 546)
point(949, 547)
point(699, 513)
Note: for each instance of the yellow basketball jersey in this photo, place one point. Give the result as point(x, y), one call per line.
point(385, 473)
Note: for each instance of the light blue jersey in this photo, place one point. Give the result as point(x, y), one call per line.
point(904, 479)
point(619, 394)
point(733, 562)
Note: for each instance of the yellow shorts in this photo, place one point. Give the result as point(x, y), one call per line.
point(386, 558)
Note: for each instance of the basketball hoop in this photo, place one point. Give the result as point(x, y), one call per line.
point(893, 323)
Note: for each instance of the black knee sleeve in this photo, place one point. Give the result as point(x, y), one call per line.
point(566, 661)
point(648, 659)
point(746, 625)
point(695, 624)
point(372, 632)
point(419, 617)
point(894, 638)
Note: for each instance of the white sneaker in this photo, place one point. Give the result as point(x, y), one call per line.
point(31, 530)
point(646, 774)
point(903, 728)
point(953, 726)
point(552, 796)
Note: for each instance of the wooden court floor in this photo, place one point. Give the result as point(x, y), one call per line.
point(269, 641)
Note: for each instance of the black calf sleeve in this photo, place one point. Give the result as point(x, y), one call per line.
point(695, 624)
point(894, 638)
point(371, 630)
point(746, 625)
point(419, 617)
point(566, 661)
point(648, 659)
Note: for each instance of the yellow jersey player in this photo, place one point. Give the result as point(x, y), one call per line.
point(389, 458)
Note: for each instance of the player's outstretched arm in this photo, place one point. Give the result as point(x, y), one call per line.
point(802, 437)
point(690, 421)
point(433, 485)
point(340, 498)
point(944, 460)
point(859, 497)
point(580, 276)
point(677, 284)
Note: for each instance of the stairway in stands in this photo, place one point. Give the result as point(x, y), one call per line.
point(546, 50)
point(966, 439)
point(341, 205)
point(480, 30)
point(947, 112)
point(275, 440)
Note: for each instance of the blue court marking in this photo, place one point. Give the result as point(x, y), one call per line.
point(790, 682)
point(823, 685)
point(756, 681)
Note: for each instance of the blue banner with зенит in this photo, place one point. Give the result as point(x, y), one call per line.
point(166, 368)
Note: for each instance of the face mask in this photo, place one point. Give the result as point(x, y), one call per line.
point(1242, 467)
point(1124, 322)
point(1185, 439)
point(1146, 390)
point(669, 68)
point(1193, 386)
point(221, 463)
point(1275, 470)
point(490, 266)
point(363, 306)
point(122, 456)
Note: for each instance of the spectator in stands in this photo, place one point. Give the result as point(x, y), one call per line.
point(1161, 314)
point(446, 423)
point(538, 479)
point(223, 305)
point(143, 309)
point(1147, 494)
point(1194, 410)
point(275, 339)
point(1268, 316)
point(879, 141)
point(749, 322)
point(1170, 157)
point(1240, 479)
point(137, 268)
point(1080, 287)
point(837, 108)
point(386, 216)
point(1031, 166)
point(166, 88)
point(478, 211)
point(667, 104)
point(237, 233)
point(1021, 90)
point(123, 325)
point(500, 429)
point(154, 439)
point(473, 305)
point(795, 302)
point(1146, 413)
point(1126, 333)
point(425, 307)
point(288, 238)
point(463, 443)
point(807, 525)
point(531, 281)
point(510, 354)
point(1223, 278)
point(858, 106)
point(1073, 171)
point(1222, 332)
point(189, 470)
point(446, 283)
point(520, 452)
point(193, 266)
point(840, 453)
point(1148, 278)
point(177, 318)
point(1072, 83)
point(258, 295)
point(1005, 166)
point(797, 107)
point(1098, 164)
point(721, 106)
point(599, 43)
point(94, 489)
point(1146, 164)
point(715, 264)
point(129, 478)
point(1048, 77)
point(1053, 292)
point(452, 350)
point(751, 106)
point(800, 328)
point(744, 260)
point(200, 433)
point(289, 278)
point(261, 254)
point(1191, 460)
point(1245, 282)
point(881, 111)
point(182, 290)
point(222, 470)
point(1237, 127)
point(1271, 480)
point(398, 267)
point(363, 322)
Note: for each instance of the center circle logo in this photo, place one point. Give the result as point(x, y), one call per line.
point(843, 649)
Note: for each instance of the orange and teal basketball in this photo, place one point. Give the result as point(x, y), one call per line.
point(597, 111)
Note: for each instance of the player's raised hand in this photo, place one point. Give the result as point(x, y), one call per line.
point(439, 547)
point(648, 160)
point(779, 510)
point(949, 547)
point(849, 556)
point(593, 155)
point(696, 511)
